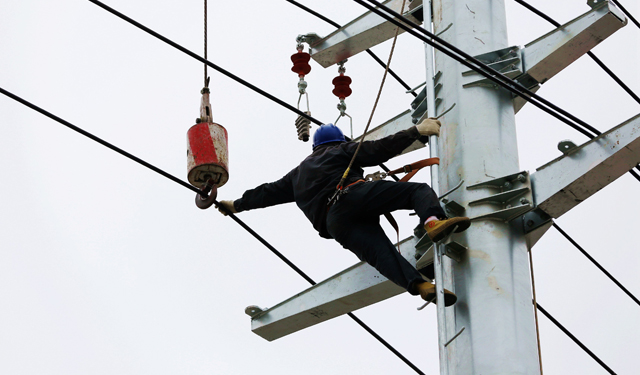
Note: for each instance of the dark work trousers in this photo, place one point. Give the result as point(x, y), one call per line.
point(354, 221)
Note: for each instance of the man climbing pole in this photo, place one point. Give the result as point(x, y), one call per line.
point(353, 219)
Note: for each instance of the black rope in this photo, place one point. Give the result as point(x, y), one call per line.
point(591, 54)
point(626, 13)
point(310, 280)
point(594, 58)
point(193, 188)
point(490, 73)
point(101, 141)
point(479, 67)
point(373, 55)
point(596, 264)
point(572, 337)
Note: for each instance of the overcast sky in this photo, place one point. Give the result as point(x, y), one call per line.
point(109, 268)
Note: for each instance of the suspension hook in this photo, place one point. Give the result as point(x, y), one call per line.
point(210, 191)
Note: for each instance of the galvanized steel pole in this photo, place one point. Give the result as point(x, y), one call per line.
point(478, 143)
point(440, 269)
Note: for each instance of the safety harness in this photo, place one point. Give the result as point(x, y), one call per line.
point(409, 169)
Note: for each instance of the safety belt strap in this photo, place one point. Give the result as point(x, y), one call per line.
point(410, 170)
point(413, 168)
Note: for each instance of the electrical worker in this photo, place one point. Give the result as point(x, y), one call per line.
point(354, 219)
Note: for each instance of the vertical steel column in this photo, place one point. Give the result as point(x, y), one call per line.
point(478, 143)
point(439, 268)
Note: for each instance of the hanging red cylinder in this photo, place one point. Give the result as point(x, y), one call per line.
point(342, 89)
point(207, 154)
point(301, 63)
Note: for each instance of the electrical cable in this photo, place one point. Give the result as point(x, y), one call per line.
point(591, 54)
point(600, 63)
point(626, 13)
point(467, 60)
point(594, 58)
point(199, 191)
point(203, 60)
point(207, 62)
point(490, 73)
point(572, 337)
point(223, 71)
point(101, 141)
point(596, 264)
point(373, 55)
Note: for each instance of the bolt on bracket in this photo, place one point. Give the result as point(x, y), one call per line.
point(510, 195)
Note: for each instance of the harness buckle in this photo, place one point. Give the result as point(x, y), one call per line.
point(376, 176)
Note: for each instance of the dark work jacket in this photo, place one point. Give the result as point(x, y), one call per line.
point(314, 181)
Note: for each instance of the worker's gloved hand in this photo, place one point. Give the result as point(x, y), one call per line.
point(229, 206)
point(430, 126)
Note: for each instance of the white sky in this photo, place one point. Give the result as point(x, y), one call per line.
point(107, 267)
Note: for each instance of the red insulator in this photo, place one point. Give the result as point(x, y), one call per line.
point(301, 63)
point(342, 89)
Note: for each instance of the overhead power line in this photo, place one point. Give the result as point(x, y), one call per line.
point(101, 141)
point(591, 54)
point(205, 61)
point(575, 339)
point(484, 70)
point(193, 188)
point(574, 243)
point(477, 66)
point(284, 104)
point(373, 55)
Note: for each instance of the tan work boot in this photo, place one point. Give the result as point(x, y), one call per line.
point(439, 229)
point(428, 293)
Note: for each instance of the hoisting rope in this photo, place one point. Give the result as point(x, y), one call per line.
point(340, 187)
point(206, 83)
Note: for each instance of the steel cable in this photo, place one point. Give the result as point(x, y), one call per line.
point(619, 284)
point(479, 67)
point(205, 42)
point(223, 71)
point(193, 188)
point(205, 61)
point(373, 55)
point(595, 59)
point(490, 73)
point(575, 339)
point(100, 140)
point(214, 66)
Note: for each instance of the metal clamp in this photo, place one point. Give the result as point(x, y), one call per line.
point(376, 176)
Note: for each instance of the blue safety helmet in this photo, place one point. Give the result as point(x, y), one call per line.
point(327, 133)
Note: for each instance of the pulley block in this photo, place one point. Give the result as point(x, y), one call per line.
point(207, 155)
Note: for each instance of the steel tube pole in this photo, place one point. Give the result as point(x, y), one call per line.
point(435, 185)
point(478, 143)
